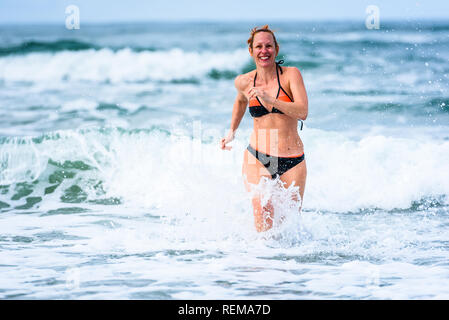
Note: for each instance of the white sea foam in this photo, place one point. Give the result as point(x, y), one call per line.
point(119, 66)
point(343, 174)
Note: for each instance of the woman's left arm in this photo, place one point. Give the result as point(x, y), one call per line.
point(300, 107)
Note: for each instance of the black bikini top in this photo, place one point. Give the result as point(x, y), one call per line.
point(257, 109)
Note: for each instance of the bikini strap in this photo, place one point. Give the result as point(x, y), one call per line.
point(278, 65)
point(277, 72)
point(277, 75)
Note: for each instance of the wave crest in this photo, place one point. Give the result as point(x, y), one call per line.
point(124, 65)
point(147, 168)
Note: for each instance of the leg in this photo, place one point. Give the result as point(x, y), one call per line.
point(263, 215)
point(296, 175)
point(253, 171)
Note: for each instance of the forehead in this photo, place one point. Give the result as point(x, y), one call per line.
point(263, 37)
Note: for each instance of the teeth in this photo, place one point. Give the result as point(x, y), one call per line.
point(264, 58)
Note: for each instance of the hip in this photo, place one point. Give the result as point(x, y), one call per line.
point(271, 141)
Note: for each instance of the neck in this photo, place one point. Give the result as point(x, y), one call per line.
point(266, 74)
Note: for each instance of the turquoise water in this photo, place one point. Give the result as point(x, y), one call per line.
point(112, 184)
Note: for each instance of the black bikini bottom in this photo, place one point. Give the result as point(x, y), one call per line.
point(276, 166)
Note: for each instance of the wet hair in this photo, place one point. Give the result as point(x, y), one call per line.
point(255, 30)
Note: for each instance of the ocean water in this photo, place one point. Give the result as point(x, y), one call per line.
point(112, 184)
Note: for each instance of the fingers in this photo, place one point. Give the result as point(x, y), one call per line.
point(225, 147)
point(223, 144)
point(252, 92)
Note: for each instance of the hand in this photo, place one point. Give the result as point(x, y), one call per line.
point(261, 93)
point(226, 140)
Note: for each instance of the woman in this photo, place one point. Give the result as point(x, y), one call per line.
point(277, 100)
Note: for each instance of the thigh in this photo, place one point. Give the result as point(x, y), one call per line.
point(296, 175)
point(253, 170)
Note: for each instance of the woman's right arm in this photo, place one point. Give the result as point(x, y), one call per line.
point(238, 111)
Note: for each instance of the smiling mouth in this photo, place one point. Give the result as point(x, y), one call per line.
point(264, 58)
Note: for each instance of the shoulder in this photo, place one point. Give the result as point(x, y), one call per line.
point(243, 81)
point(292, 72)
point(293, 76)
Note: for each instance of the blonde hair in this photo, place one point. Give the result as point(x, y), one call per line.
point(255, 30)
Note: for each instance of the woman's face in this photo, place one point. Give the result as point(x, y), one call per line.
point(264, 51)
